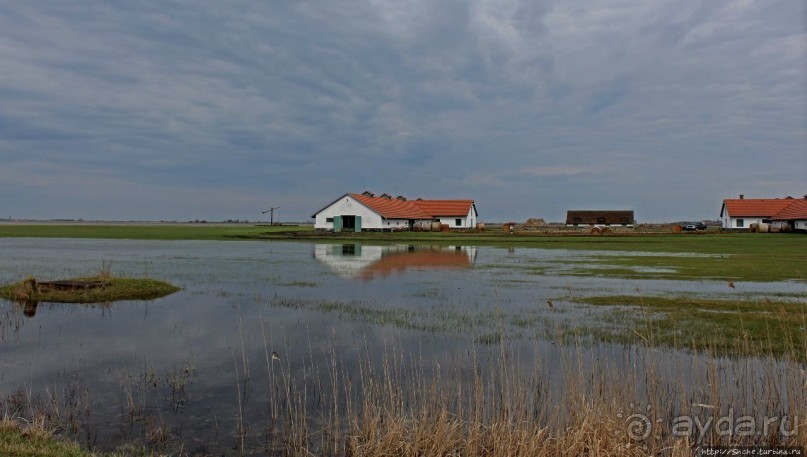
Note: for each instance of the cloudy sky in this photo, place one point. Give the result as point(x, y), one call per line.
point(212, 109)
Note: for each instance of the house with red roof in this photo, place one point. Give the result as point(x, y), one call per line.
point(786, 213)
point(793, 216)
point(366, 211)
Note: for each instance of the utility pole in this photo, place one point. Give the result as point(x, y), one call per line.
point(271, 212)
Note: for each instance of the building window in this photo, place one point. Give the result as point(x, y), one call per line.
point(740, 223)
point(457, 222)
point(601, 220)
point(329, 220)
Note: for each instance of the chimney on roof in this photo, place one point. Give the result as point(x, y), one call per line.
point(387, 196)
point(742, 196)
point(401, 198)
point(367, 193)
point(805, 196)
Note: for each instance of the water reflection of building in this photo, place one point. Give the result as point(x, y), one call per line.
point(369, 262)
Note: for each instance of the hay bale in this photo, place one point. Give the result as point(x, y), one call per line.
point(595, 230)
point(536, 222)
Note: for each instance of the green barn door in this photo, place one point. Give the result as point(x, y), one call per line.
point(358, 223)
point(337, 223)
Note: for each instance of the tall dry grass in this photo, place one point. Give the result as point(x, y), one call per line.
point(510, 402)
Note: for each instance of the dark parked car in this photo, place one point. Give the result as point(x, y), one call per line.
point(695, 227)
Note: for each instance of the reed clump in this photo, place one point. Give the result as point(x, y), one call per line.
point(504, 401)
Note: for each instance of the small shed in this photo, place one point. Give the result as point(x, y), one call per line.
point(603, 218)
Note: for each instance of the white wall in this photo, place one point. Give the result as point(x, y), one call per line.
point(731, 222)
point(348, 206)
point(467, 221)
point(801, 225)
point(396, 224)
point(451, 221)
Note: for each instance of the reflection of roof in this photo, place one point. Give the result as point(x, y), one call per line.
point(764, 207)
point(393, 208)
point(368, 262)
point(401, 261)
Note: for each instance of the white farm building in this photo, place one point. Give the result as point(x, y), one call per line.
point(784, 213)
point(366, 211)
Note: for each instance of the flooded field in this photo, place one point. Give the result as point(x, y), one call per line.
point(279, 345)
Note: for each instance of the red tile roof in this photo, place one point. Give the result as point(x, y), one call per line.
point(797, 209)
point(458, 208)
point(762, 207)
point(394, 208)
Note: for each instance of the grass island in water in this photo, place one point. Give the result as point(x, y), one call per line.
point(97, 289)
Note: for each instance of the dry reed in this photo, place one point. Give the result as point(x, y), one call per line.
point(504, 404)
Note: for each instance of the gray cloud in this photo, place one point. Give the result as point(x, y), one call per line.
point(178, 110)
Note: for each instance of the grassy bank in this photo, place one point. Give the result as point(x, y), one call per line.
point(725, 327)
point(35, 441)
point(21, 438)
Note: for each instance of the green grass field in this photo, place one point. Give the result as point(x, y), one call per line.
point(756, 327)
point(136, 231)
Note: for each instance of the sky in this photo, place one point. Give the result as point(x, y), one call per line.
point(214, 110)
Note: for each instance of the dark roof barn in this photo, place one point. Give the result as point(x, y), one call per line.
point(599, 217)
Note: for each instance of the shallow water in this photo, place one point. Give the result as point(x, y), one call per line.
point(198, 360)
